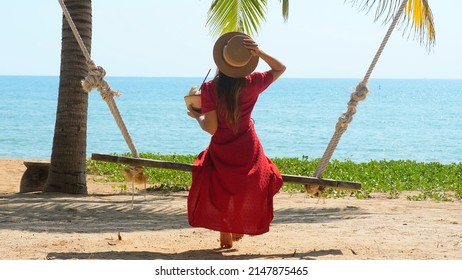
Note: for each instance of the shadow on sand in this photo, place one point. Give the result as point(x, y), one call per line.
point(210, 254)
point(60, 213)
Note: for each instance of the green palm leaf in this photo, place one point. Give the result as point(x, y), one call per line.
point(285, 9)
point(417, 20)
point(236, 15)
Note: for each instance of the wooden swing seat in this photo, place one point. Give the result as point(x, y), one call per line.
point(294, 179)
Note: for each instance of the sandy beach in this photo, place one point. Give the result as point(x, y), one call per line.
point(106, 225)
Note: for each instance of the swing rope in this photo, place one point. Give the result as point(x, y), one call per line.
point(360, 94)
point(95, 79)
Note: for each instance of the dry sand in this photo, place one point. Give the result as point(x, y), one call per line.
point(103, 225)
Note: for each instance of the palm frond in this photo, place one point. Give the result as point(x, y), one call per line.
point(236, 15)
point(285, 10)
point(417, 20)
point(420, 19)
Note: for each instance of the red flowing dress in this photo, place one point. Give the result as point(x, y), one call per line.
point(233, 181)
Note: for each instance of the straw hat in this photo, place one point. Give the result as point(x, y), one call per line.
point(232, 57)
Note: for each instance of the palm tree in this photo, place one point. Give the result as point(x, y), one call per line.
point(247, 15)
point(68, 159)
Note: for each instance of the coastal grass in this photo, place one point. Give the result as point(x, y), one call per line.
point(419, 180)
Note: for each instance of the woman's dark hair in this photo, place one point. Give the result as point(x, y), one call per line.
point(228, 91)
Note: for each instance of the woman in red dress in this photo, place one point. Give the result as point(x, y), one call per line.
point(233, 181)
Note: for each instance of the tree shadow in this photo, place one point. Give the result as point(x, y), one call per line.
point(318, 214)
point(62, 213)
point(205, 254)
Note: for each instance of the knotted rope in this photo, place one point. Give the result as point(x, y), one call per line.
point(345, 119)
point(95, 79)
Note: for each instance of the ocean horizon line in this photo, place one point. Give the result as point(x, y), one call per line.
point(282, 78)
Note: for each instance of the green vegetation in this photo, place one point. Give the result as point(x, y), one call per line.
point(435, 181)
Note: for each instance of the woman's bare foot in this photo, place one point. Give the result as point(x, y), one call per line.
point(237, 236)
point(226, 240)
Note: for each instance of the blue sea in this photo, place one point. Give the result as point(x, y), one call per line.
point(399, 120)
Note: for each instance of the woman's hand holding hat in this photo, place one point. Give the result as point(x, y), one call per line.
point(252, 46)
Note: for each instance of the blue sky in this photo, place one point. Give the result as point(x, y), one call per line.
point(322, 39)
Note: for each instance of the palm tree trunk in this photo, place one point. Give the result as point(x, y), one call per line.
point(68, 159)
